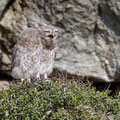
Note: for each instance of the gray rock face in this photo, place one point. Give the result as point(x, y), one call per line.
point(89, 42)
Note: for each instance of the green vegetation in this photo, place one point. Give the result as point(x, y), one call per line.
point(60, 100)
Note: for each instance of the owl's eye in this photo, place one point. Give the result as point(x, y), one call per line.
point(56, 31)
point(47, 32)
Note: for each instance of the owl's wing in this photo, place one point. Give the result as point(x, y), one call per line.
point(30, 34)
point(23, 44)
point(17, 52)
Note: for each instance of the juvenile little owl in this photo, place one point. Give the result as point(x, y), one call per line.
point(33, 54)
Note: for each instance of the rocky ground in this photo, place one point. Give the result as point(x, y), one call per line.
point(89, 39)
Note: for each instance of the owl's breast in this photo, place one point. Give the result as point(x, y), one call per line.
point(31, 62)
point(47, 62)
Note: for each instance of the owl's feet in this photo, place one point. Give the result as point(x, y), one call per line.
point(44, 78)
point(22, 80)
point(28, 80)
point(38, 77)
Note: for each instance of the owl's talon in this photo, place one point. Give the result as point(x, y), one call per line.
point(45, 76)
point(22, 80)
point(29, 80)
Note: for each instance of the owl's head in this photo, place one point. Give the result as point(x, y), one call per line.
point(49, 35)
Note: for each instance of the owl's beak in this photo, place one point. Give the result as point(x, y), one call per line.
point(52, 36)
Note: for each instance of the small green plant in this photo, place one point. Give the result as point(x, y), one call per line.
point(60, 100)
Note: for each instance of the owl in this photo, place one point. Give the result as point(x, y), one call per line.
point(33, 54)
point(48, 36)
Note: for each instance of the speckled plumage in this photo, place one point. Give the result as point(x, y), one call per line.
point(33, 54)
point(49, 49)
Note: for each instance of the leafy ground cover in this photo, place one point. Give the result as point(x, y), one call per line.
point(62, 99)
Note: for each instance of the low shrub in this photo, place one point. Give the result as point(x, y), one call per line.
point(59, 100)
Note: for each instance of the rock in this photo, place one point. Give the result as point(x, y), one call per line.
point(4, 85)
point(89, 40)
point(6, 59)
point(3, 4)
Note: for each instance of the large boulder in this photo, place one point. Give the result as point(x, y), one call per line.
point(89, 40)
